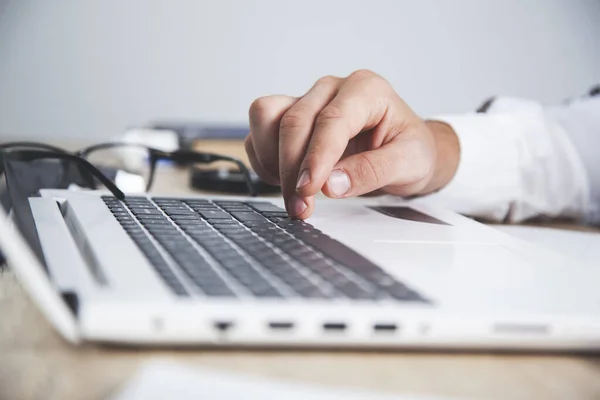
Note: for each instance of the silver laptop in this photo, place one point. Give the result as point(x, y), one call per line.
point(235, 271)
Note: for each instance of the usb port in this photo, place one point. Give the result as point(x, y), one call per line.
point(281, 326)
point(385, 328)
point(334, 326)
point(223, 326)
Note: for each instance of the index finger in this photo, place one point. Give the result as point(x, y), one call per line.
point(354, 109)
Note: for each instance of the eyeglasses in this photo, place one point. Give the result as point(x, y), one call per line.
point(26, 171)
point(142, 160)
point(29, 167)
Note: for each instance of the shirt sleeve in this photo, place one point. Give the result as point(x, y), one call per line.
point(516, 162)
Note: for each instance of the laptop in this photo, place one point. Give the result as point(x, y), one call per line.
point(236, 271)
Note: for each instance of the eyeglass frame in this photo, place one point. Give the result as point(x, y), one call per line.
point(179, 156)
point(32, 155)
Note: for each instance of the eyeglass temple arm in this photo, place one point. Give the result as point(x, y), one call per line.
point(187, 156)
point(31, 145)
point(30, 155)
point(244, 170)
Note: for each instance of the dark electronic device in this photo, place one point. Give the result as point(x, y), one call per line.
point(228, 181)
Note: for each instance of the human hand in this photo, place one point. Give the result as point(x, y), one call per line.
point(347, 137)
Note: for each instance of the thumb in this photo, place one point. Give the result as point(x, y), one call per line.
point(372, 170)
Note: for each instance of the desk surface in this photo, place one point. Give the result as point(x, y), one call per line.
point(35, 363)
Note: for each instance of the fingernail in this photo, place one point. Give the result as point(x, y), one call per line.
point(296, 206)
point(338, 182)
point(303, 180)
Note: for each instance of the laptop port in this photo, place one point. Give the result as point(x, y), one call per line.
point(281, 325)
point(334, 326)
point(223, 326)
point(385, 328)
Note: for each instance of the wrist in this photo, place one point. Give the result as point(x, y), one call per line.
point(447, 155)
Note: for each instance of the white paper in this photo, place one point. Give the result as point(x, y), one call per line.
point(161, 380)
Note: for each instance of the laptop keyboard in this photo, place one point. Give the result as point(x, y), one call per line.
point(231, 248)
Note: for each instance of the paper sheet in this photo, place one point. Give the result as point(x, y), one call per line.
point(163, 379)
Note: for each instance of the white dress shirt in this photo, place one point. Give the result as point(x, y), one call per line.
point(521, 159)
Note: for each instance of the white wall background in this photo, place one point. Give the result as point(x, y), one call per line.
point(88, 69)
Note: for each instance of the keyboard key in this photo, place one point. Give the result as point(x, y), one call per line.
point(257, 224)
point(136, 198)
point(263, 207)
point(248, 216)
point(189, 220)
point(166, 200)
point(145, 217)
point(214, 214)
point(312, 292)
point(173, 206)
point(225, 222)
point(200, 207)
point(156, 221)
point(266, 292)
point(279, 214)
point(237, 209)
point(185, 217)
point(146, 211)
point(177, 212)
point(195, 201)
point(214, 289)
point(231, 230)
point(140, 204)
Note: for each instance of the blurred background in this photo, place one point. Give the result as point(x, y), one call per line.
point(90, 69)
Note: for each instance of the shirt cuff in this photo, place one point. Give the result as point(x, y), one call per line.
point(487, 174)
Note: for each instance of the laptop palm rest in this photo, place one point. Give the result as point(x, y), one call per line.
point(66, 265)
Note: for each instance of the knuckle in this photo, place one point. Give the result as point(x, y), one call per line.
point(293, 119)
point(368, 171)
point(330, 112)
point(330, 115)
point(369, 78)
point(362, 74)
point(290, 121)
point(328, 81)
point(261, 110)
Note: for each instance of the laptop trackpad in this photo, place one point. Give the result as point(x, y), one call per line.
point(485, 277)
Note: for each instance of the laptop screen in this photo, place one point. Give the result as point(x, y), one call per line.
point(22, 218)
point(21, 180)
point(21, 249)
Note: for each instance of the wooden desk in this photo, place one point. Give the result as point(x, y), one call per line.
point(35, 363)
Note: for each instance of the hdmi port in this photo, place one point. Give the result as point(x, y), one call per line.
point(281, 326)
